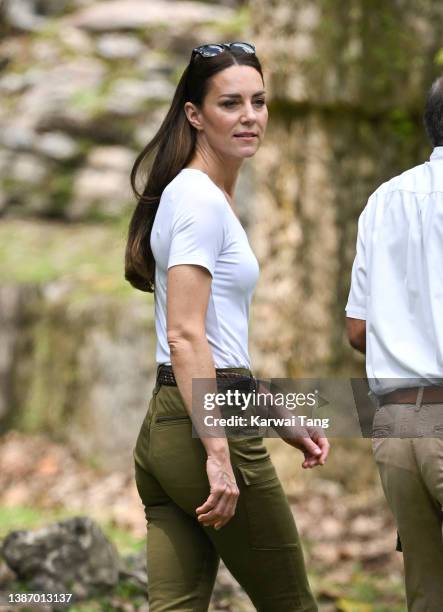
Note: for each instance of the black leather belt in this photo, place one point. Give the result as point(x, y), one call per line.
point(165, 376)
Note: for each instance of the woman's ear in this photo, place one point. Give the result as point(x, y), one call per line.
point(193, 115)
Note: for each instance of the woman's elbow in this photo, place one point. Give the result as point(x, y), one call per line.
point(183, 338)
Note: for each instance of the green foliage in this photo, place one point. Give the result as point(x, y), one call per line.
point(15, 518)
point(348, 605)
point(90, 255)
point(91, 101)
point(402, 124)
point(125, 542)
point(61, 186)
point(18, 517)
point(364, 591)
point(237, 25)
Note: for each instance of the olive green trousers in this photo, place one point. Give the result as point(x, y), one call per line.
point(408, 449)
point(260, 545)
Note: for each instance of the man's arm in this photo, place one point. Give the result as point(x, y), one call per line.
point(356, 308)
point(356, 330)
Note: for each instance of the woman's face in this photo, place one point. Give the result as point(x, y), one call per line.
point(232, 119)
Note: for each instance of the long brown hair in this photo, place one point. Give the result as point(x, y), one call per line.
point(174, 146)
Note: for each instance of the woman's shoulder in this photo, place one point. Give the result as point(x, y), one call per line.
point(192, 187)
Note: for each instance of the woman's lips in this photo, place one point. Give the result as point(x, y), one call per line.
point(246, 136)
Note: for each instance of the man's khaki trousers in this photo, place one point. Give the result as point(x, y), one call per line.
point(408, 449)
point(259, 545)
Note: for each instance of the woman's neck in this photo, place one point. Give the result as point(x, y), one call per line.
point(224, 176)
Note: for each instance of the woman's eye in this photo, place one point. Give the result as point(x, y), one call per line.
point(231, 103)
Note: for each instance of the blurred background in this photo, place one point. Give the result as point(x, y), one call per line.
point(84, 85)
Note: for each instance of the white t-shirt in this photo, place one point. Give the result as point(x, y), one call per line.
point(195, 224)
point(397, 279)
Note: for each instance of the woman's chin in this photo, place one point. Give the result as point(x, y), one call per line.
point(250, 153)
point(241, 152)
point(246, 152)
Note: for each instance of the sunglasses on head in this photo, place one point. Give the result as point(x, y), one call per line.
point(212, 50)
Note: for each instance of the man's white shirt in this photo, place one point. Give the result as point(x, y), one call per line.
point(397, 278)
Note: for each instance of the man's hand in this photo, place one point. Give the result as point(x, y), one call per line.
point(313, 444)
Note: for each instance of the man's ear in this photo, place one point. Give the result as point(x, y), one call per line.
point(193, 115)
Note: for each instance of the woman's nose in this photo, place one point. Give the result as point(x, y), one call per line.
point(248, 113)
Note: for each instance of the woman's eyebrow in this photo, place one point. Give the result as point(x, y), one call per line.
point(237, 95)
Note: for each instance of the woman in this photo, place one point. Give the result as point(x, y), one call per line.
point(210, 497)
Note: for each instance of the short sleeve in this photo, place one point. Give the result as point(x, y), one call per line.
point(197, 233)
point(356, 306)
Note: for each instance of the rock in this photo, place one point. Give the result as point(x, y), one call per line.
point(51, 7)
point(155, 63)
point(6, 158)
point(98, 191)
point(71, 556)
point(133, 567)
point(14, 298)
point(103, 184)
point(76, 40)
point(45, 52)
point(62, 91)
point(137, 14)
point(29, 169)
point(21, 15)
point(30, 15)
point(17, 136)
point(27, 182)
point(146, 129)
point(12, 83)
point(128, 96)
point(116, 158)
point(101, 347)
point(56, 145)
point(6, 574)
point(119, 46)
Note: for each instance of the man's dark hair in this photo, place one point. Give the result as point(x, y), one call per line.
point(433, 115)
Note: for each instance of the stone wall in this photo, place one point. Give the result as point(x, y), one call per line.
point(347, 83)
point(84, 86)
point(81, 370)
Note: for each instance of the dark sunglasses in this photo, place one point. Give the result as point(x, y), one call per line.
point(212, 50)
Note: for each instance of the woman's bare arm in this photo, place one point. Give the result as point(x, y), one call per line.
point(191, 357)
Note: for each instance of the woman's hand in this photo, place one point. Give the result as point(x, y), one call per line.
point(313, 443)
point(220, 506)
point(189, 288)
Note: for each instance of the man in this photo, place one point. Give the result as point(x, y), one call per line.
point(395, 316)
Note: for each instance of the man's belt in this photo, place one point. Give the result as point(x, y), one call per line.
point(431, 395)
point(165, 376)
